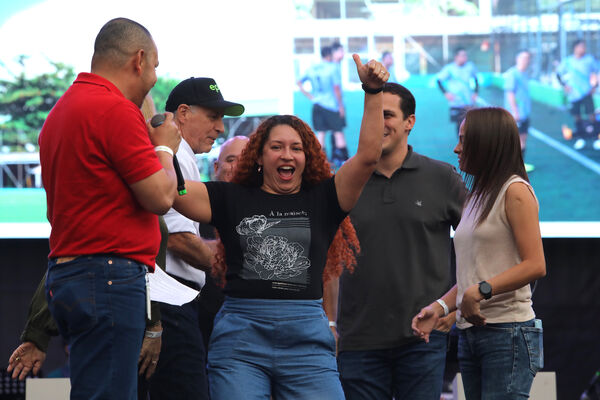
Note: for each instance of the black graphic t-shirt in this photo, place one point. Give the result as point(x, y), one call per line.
point(276, 245)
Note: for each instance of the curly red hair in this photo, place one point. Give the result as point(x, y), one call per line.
point(345, 246)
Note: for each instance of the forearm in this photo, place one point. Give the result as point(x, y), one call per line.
point(157, 192)
point(192, 249)
point(449, 298)
point(195, 205)
point(167, 186)
point(330, 298)
point(371, 131)
point(516, 277)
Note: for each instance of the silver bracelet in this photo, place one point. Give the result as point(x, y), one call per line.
point(153, 334)
point(332, 324)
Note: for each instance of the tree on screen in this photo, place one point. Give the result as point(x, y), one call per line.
point(25, 103)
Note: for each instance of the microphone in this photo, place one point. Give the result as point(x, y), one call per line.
point(157, 121)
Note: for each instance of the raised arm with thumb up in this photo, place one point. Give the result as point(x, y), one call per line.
point(355, 172)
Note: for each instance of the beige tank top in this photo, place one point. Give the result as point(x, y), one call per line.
point(483, 252)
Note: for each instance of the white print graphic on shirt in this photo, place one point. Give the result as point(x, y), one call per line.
point(279, 254)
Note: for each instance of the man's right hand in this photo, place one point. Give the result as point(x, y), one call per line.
point(167, 134)
point(25, 358)
point(372, 74)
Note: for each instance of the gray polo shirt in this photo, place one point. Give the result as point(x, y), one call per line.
point(403, 225)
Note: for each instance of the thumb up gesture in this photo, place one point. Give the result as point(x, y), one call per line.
point(372, 74)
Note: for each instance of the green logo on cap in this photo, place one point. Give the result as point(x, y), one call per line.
point(214, 88)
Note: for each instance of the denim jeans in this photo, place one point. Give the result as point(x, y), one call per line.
point(499, 361)
point(98, 303)
point(414, 371)
point(282, 348)
point(181, 370)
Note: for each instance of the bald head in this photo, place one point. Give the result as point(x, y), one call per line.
point(228, 157)
point(118, 40)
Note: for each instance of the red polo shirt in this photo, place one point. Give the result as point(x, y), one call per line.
point(93, 145)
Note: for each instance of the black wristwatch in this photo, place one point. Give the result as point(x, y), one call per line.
point(485, 289)
point(371, 90)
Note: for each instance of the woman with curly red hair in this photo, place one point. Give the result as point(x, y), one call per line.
point(276, 221)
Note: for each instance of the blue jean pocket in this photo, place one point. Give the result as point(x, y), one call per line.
point(73, 303)
point(534, 339)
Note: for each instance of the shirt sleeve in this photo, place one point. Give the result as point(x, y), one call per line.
point(473, 70)
point(444, 73)
point(218, 195)
point(128, 145)
point(40, 325)
point(177, 223)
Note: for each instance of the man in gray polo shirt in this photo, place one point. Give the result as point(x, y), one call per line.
point(403, 220)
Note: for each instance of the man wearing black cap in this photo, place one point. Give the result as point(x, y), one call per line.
point(198, 107)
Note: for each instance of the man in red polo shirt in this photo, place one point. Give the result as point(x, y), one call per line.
point(105, 182)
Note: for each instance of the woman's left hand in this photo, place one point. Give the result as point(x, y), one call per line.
point(372, 74)
point(470, 307)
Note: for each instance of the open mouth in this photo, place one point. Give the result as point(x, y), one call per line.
point(286, 172)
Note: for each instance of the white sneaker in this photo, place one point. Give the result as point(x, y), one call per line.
point(596, 144)
point(579, 144)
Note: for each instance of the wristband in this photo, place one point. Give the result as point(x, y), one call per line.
point(444, 306)
point(371, 90)
point(332, 324)
point(166, 149)
point(153, 334)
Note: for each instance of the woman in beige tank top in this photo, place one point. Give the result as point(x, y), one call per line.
point(498, 253)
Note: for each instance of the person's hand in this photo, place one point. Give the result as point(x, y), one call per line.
point(342, 111)
point(449, 96)
point(335, 336)
point(474, 97)
point(445, 323)
point(25, 358)
point(470, 306)
point(568, 89)
point(372, 74)
point(149, 354)
point(167, 134)
point(424, 322)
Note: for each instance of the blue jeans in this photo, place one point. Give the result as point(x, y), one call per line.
point(282, 348)
point(98, 303)
point(414, 371)
point(499, 361)
point(181, 370)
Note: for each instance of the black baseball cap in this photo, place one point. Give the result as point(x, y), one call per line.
point(202, 92)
